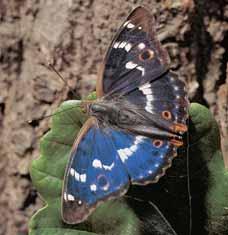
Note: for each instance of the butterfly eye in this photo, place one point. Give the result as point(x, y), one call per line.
point(96, 108)
point(146, 55)
point(166, 115)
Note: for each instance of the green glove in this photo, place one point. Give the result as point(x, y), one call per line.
point(161, 208)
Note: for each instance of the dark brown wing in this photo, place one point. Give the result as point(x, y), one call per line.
point(134, 57)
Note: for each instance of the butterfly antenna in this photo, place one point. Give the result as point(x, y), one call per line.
point(189, 182)
point(30, 122)
point(62, 78)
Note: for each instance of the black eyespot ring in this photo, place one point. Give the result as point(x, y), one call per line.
point(103, 182)
point(146, 55)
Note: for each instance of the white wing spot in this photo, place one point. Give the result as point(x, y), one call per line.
point(83, 178)
point(133, 148)
point(156, 165)
point(139, 139)
point(79, 202)
point(148, 109)
point(140, 27)
point(130, 25)
point(116, 44)
point(72, 171)
point(109, 168)
point(130, 65)
point(128, 152)
point(93, 187)
point(140, 68)
point(122, 44)
point(141, 46)
point(122, 155)
point(150, 97)
point(172, 79)
point(106, 187)
point(77, 176)
point(70, 197)
point(147, 91)
point(146, 85)
point(128, 47)
point(97, 163)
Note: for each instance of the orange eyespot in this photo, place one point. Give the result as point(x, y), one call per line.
point(157, 143)
point(146, 55)
point(176, 142)
point(179, 127)
point(166, 115)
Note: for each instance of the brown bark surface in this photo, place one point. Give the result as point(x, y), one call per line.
point(74, 35)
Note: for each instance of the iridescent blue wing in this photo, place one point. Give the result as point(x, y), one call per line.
point(103, 162)
point(94, 174)
point(145, 159)
point(134, 57)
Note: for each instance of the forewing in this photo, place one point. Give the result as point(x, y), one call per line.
point(94, 174)
point(134, 57)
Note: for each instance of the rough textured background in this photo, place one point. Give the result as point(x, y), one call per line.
point(73, 35)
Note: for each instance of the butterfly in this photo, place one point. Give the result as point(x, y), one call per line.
point(136, 124)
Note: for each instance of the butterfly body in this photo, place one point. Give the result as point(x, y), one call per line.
point(135, 126)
